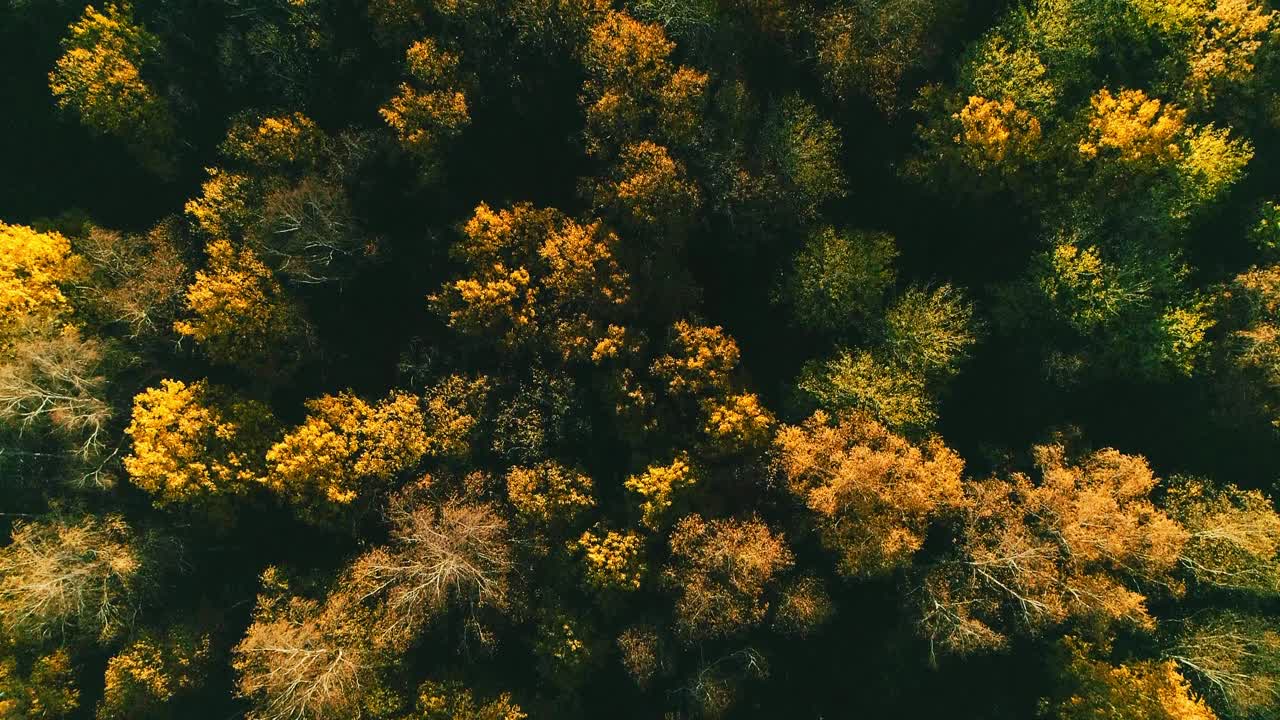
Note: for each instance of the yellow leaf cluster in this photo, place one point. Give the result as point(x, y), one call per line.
point(612, 560)
point(1133, 127)
point(275, 141)
point(452, 408)
point(344, 441)
point(873, 493)
point(99, 75)
point(632, 87)
point(222, 210)
point(1153, 690)
point(452, 701)
point(537, 275)
point(34, 266)
point(995, 129)
point(550, 492)
point(432, 111)
point(239, 313)
point(657, 485)
point(186, 447)
point(738, 421)
point(150, 672)
point(702, 359)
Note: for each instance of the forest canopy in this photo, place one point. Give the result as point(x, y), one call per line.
point(682, 359)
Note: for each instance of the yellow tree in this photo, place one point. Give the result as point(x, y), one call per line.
point(275, 142)
point(100, 77)
point(1235, 659)
point(35, 268)
point(1094, 689)
point(872, 493)
point(142, 680)
point(658, 486)
point(720, 571)
point(537, 277)
point(701, 360)
point(432, 110)
point(550, 493)
point(45, 691)
point(1233, 535)
point(453, 701)
point(239, 314)
point(1085, 543)
point(345, 442)
point(611, 559)
point(194, 443)
point(633, 91)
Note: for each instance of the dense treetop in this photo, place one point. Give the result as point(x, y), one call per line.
point(463, 360)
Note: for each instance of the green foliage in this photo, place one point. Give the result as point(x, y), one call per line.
point(838, 279)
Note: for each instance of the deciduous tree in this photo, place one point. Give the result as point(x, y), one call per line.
point(872, 493)
point(720, 571)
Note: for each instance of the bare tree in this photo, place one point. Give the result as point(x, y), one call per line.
point(52, 381)
point(458, 553)
point(138, 281)
point(61, 577)
point(301, 660)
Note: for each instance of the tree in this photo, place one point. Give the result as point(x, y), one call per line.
point(344, 443)
point(239, 313)
point(455, 554)
point(720, 570)
point(550, 493)
point(537, 279)
point(47, 692)
point(1233, 538)
point(453, 408)
point(306, 231)
point(53, 382)
point(432, 110)
point(138, 281)
point(894, 394)
point(803, 608)
point(453, 701)
point(1097, 690)
point(1252, 349)
point(633, 91)
point(275, 142)
point(196, 443)
point(738, 422)
point(35, 267)
point(872, 493)
point(612, 560)
point(302, 659)
point(870, 45)
point(1234, 658)
point(143, 679)
point(224, 208)
point(701, 360)
point(649, 191)
point(838, 279)
point(1084, 543)
point(100, 78)
point(930, 331)
point(802, 150)
point(67, 578)
point(657, 487)
point(641, 653)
